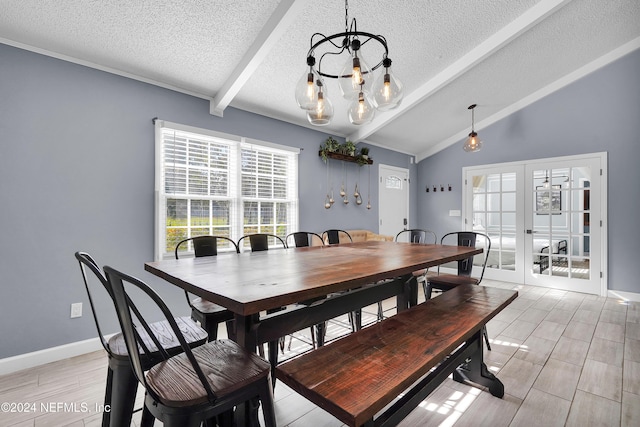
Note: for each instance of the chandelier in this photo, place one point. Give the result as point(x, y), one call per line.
point(356, 79)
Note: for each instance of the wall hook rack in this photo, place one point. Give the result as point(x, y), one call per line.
point(434, 188)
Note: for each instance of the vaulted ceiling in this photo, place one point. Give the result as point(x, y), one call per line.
point(499, 54)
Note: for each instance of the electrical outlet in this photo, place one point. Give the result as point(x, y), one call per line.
point(76, 310)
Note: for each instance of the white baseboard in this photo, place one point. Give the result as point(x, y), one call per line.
point(627, 296)
point(48, 355)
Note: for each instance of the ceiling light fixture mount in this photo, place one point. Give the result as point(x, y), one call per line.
point(473, 143)
point(355, 79)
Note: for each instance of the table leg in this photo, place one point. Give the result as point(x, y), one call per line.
point(475, 371)
point(409, 297)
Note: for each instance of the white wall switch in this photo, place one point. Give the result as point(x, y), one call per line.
point(76, 310)
point(454, 213)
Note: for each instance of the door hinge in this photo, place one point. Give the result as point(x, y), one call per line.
point(600, 172)
point(601, 274)
point(600, 223)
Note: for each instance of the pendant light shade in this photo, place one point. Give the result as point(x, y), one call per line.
point(473, 143)
point(355, 75)
point(387, 89)
point(307, 90)
point(360, 110)
point(322, 111)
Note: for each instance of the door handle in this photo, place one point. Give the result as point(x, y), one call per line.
point(531, 232)
point(405, 221)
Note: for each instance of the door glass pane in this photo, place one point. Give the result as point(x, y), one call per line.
point(561, 222)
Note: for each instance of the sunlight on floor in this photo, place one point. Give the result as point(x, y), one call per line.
point(453, 407)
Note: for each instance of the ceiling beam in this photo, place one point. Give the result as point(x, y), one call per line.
point(504, 36)
point(270, 34)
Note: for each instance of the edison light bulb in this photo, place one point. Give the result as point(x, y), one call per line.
point(387, 89)
point(306, 91)
point(361, 111)
point(322, 111)
point(355, 77)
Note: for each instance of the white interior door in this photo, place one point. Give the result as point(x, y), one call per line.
point(495, 196)
point(393, 199)
point(545, 220)
point(563, 239)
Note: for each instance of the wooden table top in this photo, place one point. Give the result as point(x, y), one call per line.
point(252, 282)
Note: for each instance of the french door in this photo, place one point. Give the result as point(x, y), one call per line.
point(544, 219)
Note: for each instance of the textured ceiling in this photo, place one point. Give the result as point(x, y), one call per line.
point(499, 54)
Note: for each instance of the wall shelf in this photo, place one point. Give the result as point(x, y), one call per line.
point(345, 157)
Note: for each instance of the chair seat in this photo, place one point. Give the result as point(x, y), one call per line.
point(193, 334)
point(451, 280)
point(227, 366)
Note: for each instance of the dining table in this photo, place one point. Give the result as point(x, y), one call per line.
point(338, 278)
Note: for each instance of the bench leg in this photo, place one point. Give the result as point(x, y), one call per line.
point(475, 371)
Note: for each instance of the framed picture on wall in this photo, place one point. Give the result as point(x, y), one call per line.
point(546, 199)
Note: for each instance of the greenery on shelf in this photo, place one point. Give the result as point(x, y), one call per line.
point(331, 145)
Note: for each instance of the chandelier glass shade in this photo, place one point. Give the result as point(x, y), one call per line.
point(472, 143)
point(365, 90)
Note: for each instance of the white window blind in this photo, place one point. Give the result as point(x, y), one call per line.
point(215, 184)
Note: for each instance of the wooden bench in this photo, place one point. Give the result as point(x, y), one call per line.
point(401, 359)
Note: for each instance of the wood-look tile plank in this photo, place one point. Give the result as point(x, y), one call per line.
point(606, 351)
point(586, 316)
point(570, 350)
point(616, 304)
point(546, 303)
point(559, 316)
point(631, 377)
point(579, 330)
point(549, 330)
point(613, 316)
point(630, 410)
point(486, 410)
point(609, 331)
point(590, 410)
point(558, 378)
point(519, 329)
point(541, 409)
point(518, 376)
point(632, 350)
point(632, 331)
point(601, 379)
point(533, 315)
point(505, 345)
point(535, 350)
point(436, 409)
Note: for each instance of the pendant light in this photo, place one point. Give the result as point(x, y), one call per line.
point(387, 89)
point(473, 143)
point(322, 111)
point(359, 82)
point(360, 110)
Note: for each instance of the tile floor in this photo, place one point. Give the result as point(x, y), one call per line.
point(566, 359)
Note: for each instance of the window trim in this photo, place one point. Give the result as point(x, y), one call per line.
point(238, 143)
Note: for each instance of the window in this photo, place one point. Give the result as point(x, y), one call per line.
point(209, 183)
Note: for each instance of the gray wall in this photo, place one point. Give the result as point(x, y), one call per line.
point(77, 173)
point(600, 112)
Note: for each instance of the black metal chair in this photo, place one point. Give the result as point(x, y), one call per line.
point(198, 384)
point(302, 239)
point(334, 236)
point(444, 282)
point(260, 241)
point(122, 385)
point(209, 315)
point(419, 235)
